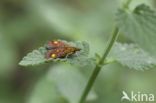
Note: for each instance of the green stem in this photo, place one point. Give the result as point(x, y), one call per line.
point(98, 66)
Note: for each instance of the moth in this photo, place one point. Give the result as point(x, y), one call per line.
point(59, 49)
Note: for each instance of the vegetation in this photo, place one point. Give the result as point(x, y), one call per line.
point(86, 25)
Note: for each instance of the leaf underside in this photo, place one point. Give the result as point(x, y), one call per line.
point(65, 77)
point(139, 25)
point(132, 56)
point(55, 87)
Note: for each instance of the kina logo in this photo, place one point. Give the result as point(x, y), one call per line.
point(137, 97)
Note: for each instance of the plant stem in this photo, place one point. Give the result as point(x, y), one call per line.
point(98, 66)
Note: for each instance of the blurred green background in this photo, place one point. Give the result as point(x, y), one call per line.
point(28, 24)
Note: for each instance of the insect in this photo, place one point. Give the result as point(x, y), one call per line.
point(59, 49)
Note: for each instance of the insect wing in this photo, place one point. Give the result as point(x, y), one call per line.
point(55, 44)
point(55, 53)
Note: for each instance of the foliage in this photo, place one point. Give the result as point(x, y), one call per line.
point(132, 56)
point(139, 25)
point(44, 86)
point(37, 57)
point(27, 24)
point(57, 86)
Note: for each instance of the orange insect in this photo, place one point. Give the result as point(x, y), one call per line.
point(59, 49)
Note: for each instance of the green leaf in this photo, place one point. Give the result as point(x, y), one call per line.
point(45, 92)
point(70, 82)
point(139, 25)
point(37, 57)
point(132, 56)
